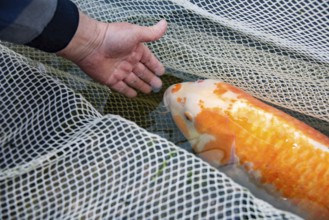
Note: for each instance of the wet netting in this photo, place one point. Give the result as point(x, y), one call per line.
point(72, 149)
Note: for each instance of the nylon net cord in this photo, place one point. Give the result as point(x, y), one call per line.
point(69, 152)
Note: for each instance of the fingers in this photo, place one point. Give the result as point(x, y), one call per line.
point(143, 76)
point(123, 88)
point(138, 74)
point(141, 79)
point(155, 32)
point(147, 76)
point(151, 62)
point(137, 83)
point(144, 66)
point(147, 34)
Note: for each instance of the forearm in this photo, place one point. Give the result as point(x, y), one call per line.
point(88, 37)
point(23, 20)
point(48, 25)
point(113, 54)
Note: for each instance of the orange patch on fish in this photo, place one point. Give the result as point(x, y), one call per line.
point(176, 88)
point(279, 149)
point(224, 87)
point(292, 165)
point(214, 124)
point(220, 90)
point(181, 100)
point(181, 125)
point(201, 104)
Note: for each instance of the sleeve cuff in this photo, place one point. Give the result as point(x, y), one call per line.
point(60, 30)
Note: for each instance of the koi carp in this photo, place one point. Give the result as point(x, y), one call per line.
point(226, 125)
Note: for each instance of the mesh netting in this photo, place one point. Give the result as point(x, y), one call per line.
point(68, 150)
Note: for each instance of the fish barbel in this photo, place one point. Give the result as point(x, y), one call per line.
point(226, 125)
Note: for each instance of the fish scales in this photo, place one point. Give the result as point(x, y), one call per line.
point(276, 148)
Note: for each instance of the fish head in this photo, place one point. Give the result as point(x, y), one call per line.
point(198, 110)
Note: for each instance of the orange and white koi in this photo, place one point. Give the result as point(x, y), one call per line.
point(226, 125)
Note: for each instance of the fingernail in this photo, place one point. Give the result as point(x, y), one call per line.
point(156, 90)
point(156, 84)
point(160, 71)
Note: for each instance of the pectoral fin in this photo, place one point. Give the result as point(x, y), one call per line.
point(213, 157)
point(219, 153)
point(216, 125)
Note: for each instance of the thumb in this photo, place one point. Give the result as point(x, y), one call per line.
point(152, 33)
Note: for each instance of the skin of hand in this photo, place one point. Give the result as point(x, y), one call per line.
point(115, 55)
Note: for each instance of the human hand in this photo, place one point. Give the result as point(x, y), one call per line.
point(114, 54)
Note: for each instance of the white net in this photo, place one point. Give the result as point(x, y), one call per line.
point(65, 153)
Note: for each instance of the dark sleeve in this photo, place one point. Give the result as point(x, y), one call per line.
point(48, 25)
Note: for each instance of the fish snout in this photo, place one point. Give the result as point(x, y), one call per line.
point(167, 97)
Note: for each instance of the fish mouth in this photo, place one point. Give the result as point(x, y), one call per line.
point(194, 141)
point(165, 98)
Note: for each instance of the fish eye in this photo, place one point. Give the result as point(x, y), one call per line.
point(188, 116)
